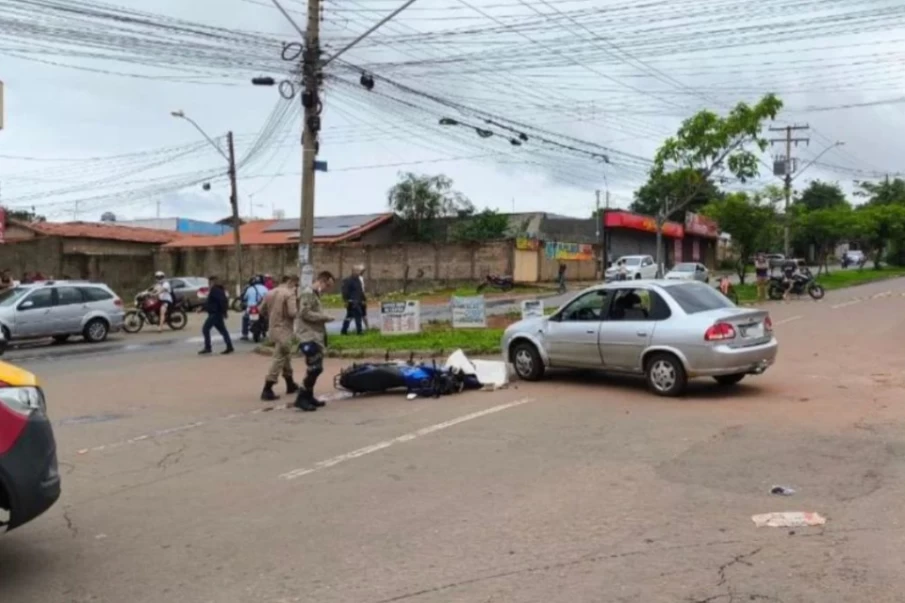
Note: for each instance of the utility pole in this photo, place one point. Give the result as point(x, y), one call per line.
point(788, 169)
point(597, 221)
point(311, 125)
point(234, 203)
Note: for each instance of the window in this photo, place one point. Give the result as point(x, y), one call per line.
point(697, 297)
point(630, 304)
point(68, 296)
point(700, 268)
point(587, 308)
point(11, 296)
point(647, 262)
point(177, 284)
point(95, 294)
point(40, 298)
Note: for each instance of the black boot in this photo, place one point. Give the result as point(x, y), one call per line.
point(268, 394)
point(305, 401)
point(316, 402)
point(291, 386)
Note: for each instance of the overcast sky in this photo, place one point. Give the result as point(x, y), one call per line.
point(77, 143)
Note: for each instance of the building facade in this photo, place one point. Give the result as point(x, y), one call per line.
point(628, 233)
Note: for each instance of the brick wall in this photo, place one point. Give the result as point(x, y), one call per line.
point(388, 267)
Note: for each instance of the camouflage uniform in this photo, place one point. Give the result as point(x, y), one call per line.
point(281, 308)
point(311, 331)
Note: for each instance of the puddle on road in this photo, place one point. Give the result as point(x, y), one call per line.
point(86, 419)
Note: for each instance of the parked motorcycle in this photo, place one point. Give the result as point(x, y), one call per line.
point(802, 283)
point(147, 310)
point(257, 324)
point(503, 283)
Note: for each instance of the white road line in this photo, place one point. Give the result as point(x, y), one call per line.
point(403, 438)
point(785, 320)
point(848, 303)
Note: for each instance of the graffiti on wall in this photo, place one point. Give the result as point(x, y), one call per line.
point(568, 251)
point(527, 242)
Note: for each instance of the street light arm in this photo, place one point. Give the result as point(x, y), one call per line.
point(819, 155)
point(182, 115)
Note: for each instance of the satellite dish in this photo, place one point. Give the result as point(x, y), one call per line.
point(206, 186)
point(108, 216)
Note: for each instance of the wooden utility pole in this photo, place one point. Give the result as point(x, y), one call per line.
point(787, 183)
point(234, 203)
point(311, 125)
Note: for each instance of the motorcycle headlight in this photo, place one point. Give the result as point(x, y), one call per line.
point(22, 400)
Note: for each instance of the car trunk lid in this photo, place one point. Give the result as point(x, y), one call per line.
point(751, 327)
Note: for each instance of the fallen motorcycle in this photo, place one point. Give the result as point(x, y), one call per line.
point(147, 310)
point(503, 283)
point(424, 380)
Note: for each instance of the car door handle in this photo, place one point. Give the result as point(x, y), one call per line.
point(590, 332)
point(641, 333)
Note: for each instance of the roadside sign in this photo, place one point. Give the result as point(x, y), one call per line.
point(401, 317)
point(320, 166)
point(532, 308)
point(468, 312)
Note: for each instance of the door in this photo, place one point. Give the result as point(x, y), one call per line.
point(648, 268)
point(33, 314)
point(629, 326)
point(526, 266)
point(69, 310)
point(572, 334)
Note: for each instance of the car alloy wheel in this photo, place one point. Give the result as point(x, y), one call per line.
point(96, 330)
point(663, 375)
point(527, 361)
point(524, 363)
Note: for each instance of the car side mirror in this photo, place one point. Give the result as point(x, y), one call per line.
point(26, 304)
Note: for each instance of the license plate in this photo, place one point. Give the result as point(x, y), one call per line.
point(253, 317)
point(752, 331)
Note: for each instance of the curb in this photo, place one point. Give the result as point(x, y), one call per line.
point(385, 354)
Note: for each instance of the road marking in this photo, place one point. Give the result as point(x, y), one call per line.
point(296, 473)
point(848, 303)
point(785, 320)
point(188, 426)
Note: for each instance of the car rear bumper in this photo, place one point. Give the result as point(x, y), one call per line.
point(725, 360)
point(29, 473)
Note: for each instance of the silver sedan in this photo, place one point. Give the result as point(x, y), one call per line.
point(669, 331)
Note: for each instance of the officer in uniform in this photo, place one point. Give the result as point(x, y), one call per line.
point(312, 336)
point(280, 306)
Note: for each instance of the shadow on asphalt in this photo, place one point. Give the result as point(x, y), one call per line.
point(698, 389)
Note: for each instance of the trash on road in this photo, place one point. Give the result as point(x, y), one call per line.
point(491, 374)
point(788, 519)
point(782, 491)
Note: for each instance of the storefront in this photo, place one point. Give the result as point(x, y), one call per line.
point(629, 233)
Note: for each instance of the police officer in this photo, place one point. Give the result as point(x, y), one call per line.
point(280, 306)
point(312, 336)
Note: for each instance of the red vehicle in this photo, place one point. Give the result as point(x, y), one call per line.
point(29, 475)
point(147, 309)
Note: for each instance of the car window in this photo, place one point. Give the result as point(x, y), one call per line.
point(700, 268)
point(697, 297)
point(95, 294)
point(69, 295)
point(638, 304)
point(40, 298)
point(11, 296)
point(177, 284)
point(588, 307)
point(647, 262)
point(631, 261)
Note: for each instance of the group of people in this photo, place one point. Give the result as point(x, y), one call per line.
point(790, 272)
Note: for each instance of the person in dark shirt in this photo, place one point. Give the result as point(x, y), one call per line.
point(354, 295)
point(216, 305)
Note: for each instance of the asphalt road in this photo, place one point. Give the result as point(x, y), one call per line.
point(582, 488)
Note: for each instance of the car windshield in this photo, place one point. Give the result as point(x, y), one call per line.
point(11, 296)
point(683, 268)
point(695, 297)
point(631, 261)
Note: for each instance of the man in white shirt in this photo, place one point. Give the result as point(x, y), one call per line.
point(164, 295)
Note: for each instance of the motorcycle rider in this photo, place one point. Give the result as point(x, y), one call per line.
point(789, 274)
point(312, 335)
point(253, 296)
point(164, 294)
point(280, 306)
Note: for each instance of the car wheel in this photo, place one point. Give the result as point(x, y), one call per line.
point(728, 380)
point(638, 277)
point(96, 330)
point(527, 361)
point(61, 338)
point(665, 375)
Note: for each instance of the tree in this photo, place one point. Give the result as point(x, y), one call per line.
point(23, 215)
point(886, 192)
point(821, 195)
point(823, 228)
point(420, 200)
point(486, 225)
point(879, 226)
point(750, 221)
point(648, 198)
point(705, 146)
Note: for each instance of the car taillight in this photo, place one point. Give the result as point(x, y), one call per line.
point(720, 332)
point(117, 302)
point(768, 324)
point(203, 291)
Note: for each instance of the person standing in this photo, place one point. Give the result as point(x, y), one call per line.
point(254, 296)
point(364, 300)
point(761, 274)
point(312, 335)
point(217, 306)
point(561, 277)
point(280, 306)
point(354, 296)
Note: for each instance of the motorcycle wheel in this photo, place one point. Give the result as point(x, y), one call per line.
point(816, 291)
point(481, 287)
point(775, 291)
point(177, 319)
point(133, 321)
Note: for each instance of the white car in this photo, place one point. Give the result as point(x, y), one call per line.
point(689, 271)
point(637, 266)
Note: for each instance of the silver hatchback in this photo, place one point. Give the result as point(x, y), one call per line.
point(668, 331)
point(60, 309)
